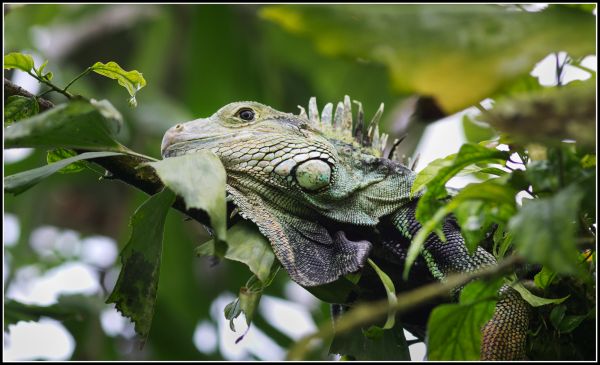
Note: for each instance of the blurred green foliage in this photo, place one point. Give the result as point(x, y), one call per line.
point(197, 58)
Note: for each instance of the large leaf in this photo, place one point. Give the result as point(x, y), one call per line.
point(544, 230)
point(459, 54)
point(22, 181)
point(454, 330)
point(135, 291)
point(247, 245)
point(77, 124)
point(199, 178)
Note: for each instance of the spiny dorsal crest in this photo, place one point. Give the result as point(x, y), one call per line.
point(340, 125)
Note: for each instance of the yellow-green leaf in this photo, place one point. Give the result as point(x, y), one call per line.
point(458, 54)
point(23, 62)
point(133, 81)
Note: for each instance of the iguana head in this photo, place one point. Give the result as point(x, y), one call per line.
point(293, 175)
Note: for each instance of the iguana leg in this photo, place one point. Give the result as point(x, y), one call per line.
point(503, 337)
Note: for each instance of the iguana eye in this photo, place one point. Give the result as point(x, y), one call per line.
point(246, 114)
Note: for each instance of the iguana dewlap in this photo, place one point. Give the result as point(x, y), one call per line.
point(306, 181)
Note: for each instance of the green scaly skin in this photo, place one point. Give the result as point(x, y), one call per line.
point(322, 195)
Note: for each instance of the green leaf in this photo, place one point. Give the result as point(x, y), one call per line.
point(544, 230)
point(19, 107)
point(436, 187)
point(570, 322)
point(429, 172)
point(77, 125)
point(133, 81)
point(454, 330)
point(23, 62)
point(459, 68)
point(247, 245)
point(476, 132)
point(544, 278)
point(372, 344)
point(534, 300)
point(199, 178)
point(59, 154)
point(22, 181)
point(391, 294)
point(557, 314)
point(135, 291)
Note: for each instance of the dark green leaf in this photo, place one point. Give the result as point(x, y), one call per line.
point(199, 178)
point(135, 291)
point(247, 245)
point(570, 322)
point(557, 315)
point(19, 107)
point(454, 330)
point(77, 124)
point(372, 344)
point(133, 81)
point(59, 154)
point(458, 68)
point(23, 62)
point(22, 181)
point(544, 230)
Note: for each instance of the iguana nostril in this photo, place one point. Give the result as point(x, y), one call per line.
point(179, 127)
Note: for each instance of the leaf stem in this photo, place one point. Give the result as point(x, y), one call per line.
point(51, 85)
point(87, 70)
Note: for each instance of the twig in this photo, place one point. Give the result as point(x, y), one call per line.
point(368, 313)
point(11, 89)
point(124, 168)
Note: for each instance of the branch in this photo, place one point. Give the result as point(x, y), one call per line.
point(11, 89)
point(368, 313)
point(124, 168)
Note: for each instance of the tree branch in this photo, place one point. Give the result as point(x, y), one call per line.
point(124, 168)
point(368, 313)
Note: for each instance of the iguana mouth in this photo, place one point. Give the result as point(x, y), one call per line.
point(174, 144)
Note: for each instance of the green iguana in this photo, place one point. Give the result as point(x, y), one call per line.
point(319, 189)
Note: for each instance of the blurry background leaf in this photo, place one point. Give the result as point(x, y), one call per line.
point(442, 51)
